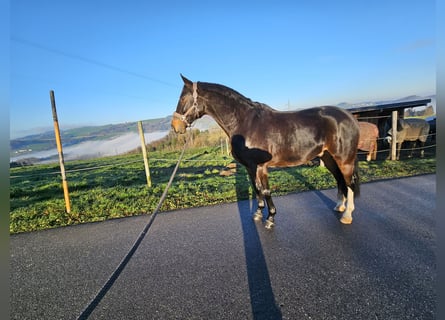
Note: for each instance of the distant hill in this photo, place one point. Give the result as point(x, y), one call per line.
point(46, 140)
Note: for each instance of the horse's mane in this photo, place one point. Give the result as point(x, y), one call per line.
point(234, 95)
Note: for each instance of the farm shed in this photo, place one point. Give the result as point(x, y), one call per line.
point(378, 114)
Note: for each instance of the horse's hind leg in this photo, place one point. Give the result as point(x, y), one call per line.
point(346, 217)
point(350, 177)
point(372, 155)
point(332, 166)
point(369, 155)
point(374, 150)
point(344, 174)
point(422, 150)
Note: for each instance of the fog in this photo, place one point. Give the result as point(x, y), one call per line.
point(94, 149)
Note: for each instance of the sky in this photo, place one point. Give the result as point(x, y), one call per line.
point(119, 61)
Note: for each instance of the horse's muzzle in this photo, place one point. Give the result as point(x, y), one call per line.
point(178, 126)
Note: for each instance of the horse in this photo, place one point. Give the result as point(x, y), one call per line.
point(432, 133)
point(411, 129)
point(368, 139)
point(261, 137)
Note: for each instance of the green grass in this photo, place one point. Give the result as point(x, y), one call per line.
point(117, 188)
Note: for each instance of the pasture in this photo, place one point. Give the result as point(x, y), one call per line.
point(115, 187)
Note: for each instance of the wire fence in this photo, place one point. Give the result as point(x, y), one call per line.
point(429, 146)
point(79, 170)
point(114, 186)
point(118, 164)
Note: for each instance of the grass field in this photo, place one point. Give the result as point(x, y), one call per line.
point(116, 187)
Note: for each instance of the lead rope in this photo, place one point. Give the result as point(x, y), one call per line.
point(109, 283)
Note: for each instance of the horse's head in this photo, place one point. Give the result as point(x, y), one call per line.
point(189, 108)
point(400, 126)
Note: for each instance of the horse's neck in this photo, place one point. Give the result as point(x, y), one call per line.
point(226, 118)
point(227, 112)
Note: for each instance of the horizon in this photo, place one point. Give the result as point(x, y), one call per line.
point(113, 63)
point(50, 128)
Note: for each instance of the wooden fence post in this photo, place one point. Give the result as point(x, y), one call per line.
point(227, 146)
point(394, 136)
point(60, 151)
point(144, 153)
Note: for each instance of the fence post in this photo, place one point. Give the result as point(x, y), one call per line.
point(60, 151)
point(227, 146)
point(144, 153)
point(394, 136)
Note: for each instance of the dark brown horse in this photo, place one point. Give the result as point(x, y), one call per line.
point(262, 137)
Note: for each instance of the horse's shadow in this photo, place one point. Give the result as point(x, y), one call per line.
point(262, 298)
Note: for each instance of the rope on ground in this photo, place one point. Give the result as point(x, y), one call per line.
point(109, 283)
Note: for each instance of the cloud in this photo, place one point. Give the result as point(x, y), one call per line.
point(97, 148)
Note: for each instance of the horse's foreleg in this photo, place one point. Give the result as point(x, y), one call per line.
point(270, 221)
point(258, 215)
point(262, 179)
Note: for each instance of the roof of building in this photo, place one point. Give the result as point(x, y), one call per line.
point(390, 106)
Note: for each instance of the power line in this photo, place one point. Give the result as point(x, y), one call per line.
point(89, 60)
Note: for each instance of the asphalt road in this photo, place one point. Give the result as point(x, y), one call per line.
point(217, 263)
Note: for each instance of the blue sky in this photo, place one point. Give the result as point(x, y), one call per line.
point(116, 61)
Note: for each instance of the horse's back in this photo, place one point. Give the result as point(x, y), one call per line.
point(368, 129)
point(368, 135)
point(317, 115)
point(416, 129)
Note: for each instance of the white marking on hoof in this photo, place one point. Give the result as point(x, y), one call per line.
point(346, 220)
point(269, 224)
point(257, 216)
point(341, 203)
point(340, 207)
point(347, 215)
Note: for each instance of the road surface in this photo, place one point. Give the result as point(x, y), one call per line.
point(217, 263)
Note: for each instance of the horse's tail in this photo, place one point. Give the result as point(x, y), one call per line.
point(355, 181)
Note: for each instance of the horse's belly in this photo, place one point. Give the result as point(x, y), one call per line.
point(408, 136)
point(366, 145)
point(292, 159)
point(280, 163)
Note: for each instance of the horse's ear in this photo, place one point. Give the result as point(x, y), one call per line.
point(187, 82)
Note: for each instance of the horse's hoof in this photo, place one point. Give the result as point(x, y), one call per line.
point(340, 208)
point(257, 216)
point(269, 224)
point(346, 220)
